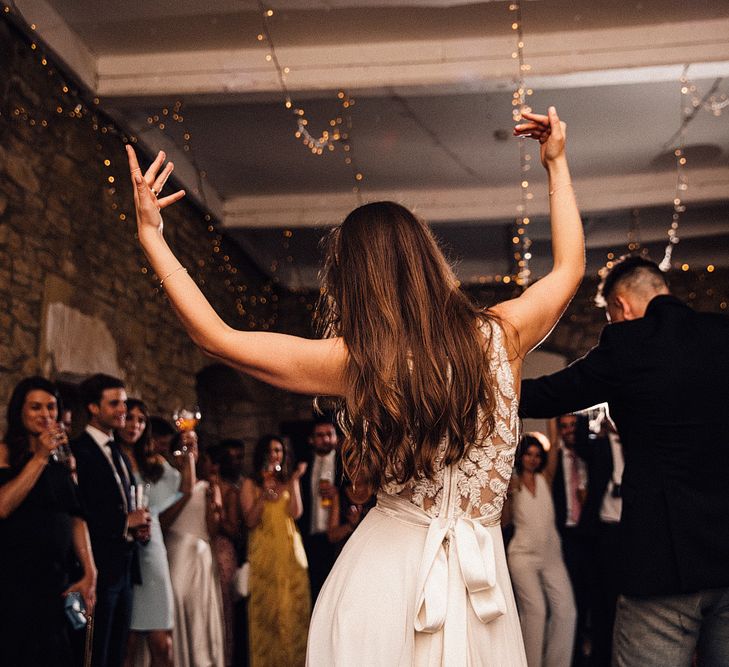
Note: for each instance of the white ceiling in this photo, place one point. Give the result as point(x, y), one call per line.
point(432, 82)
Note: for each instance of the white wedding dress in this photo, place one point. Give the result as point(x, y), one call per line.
point(423, 580)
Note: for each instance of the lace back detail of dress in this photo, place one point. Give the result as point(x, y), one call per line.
point(482, 475)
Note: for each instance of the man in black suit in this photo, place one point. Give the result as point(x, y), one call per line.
point(104, 482)
point(602, 452)
point(569, 489)
point(318, 491)
point(664, 372)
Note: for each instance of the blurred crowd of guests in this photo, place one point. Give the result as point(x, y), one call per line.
point(561, 522)
point(131, 544)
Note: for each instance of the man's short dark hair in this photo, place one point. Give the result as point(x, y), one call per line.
point(623, 269)
point(93, 388)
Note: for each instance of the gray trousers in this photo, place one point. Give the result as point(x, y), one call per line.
point(666, 630)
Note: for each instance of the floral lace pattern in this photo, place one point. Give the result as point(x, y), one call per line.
point(482, 475)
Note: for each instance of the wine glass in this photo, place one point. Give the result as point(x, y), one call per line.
point(185, 419)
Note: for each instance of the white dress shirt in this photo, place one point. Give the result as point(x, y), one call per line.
point(612, 507)
point(102, 440)
point(322, 467)
point(567, 455)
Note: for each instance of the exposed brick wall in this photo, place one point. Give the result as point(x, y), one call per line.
point(62, 240)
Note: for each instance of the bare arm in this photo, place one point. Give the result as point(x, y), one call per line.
point(288, 362)
point(535, 312)
point(187, 483)
point(17, 489)
point(213, 509)
point(553, 455)
point(251, 503)
point(507, 512)
point(82, 547)
point(230, 523)
point(296, 506)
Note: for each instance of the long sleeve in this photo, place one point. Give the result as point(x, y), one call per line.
point(584, 383)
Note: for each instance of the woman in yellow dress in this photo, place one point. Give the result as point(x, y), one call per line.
point(279, 606)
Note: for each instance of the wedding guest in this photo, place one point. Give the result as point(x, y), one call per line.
point(318, 489)
point(603, 454)
point(231, 476)
point(663, 370)
point(198, 639)
point(347, 511)
point(279, 605)
point(541, 584)
point(569, 492)
point(41, 523)
point(220, 470)
point(152, 607)
point(104, 483)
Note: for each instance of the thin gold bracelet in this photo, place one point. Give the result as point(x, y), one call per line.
point(179, 268)
point(559, 187)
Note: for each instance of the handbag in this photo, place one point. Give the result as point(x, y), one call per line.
point(240, 580)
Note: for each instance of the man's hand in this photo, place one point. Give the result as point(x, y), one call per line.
point(139, 519)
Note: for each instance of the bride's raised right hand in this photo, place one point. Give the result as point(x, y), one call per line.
point(147, 189)
point(548, 130)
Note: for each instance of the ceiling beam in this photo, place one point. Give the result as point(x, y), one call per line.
point(475, 204)
point(557, 59)
point(61, 39)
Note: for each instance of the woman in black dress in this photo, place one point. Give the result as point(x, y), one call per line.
point(40, 528)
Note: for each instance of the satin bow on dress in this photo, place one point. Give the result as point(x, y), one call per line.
point(457, 568)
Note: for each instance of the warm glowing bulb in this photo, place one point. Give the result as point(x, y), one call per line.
point(684, 267)
point(710, 268)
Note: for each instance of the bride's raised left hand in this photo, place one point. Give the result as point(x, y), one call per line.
point(147, 189)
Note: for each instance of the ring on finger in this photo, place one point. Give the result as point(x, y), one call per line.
point(154, 192)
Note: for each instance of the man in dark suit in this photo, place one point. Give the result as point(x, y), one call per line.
point(569, 489)
point(664, 372)
point(104, 482)
point(599, 519)
point(318, 491)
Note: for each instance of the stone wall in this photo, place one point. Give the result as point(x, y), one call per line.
point(76, 295)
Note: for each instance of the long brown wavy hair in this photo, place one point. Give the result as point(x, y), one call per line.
point(418, 369)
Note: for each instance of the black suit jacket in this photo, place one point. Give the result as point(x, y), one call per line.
point(104, 510)
point(598, 456)
point(666, 379)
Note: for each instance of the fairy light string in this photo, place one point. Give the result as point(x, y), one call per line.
point(256, 308)
point(520, 241)
point(679, 207)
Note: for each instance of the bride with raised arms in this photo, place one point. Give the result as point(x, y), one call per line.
point(427, 386)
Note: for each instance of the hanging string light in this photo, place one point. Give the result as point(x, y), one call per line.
point(681, 177)
point(339, 127)
point(260, 309)
point(711, 101)
point(520, 241)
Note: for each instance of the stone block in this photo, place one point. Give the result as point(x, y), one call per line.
point(22, 173)
point(25, 315)
point(8, 358)
point(25, 342)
